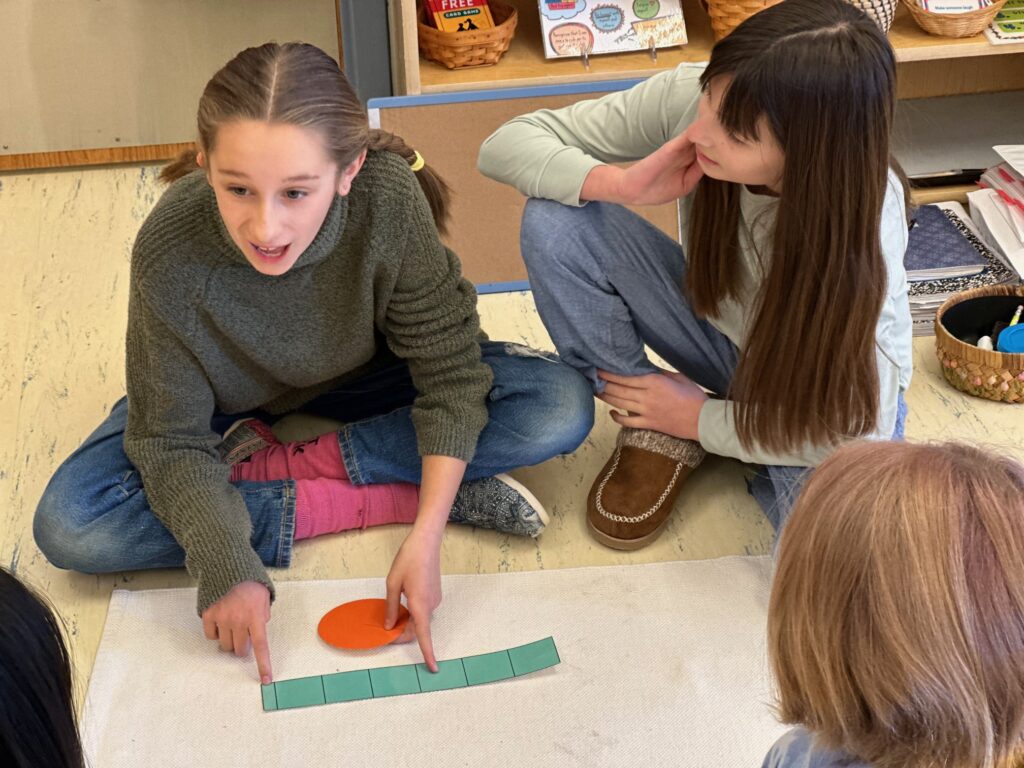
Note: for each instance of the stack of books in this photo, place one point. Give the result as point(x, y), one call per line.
point(945, 255)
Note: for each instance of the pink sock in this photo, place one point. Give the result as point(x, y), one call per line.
point(326, 505)
point(303, 460)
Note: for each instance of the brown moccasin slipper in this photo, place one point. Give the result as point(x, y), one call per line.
point(631, 500)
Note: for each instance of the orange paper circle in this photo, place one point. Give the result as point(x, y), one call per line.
point(360, 625)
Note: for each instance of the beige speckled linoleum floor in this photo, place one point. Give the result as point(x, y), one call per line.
point(67, 237)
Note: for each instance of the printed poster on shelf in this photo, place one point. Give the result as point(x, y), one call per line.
point(574, 27)
point(1008, 25)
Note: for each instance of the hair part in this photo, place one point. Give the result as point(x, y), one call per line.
point(298, 84)
point(896, 618)
point(821, 76)
point(37, 713)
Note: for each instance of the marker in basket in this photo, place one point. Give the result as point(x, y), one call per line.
point(1016, 315)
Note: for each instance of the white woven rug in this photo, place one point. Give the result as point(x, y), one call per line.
point(662, 665)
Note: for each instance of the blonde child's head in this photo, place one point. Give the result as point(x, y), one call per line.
point(896, 623)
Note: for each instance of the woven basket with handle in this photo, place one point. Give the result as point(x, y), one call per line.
point(726, 15)
point(992, 375)
point(468, 49)
point(954, 24)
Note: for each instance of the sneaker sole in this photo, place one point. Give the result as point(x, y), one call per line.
point(626, 545)
point(523, 491)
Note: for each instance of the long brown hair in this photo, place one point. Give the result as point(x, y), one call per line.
point(298, 84)
point(822, 76)
point(896, 619)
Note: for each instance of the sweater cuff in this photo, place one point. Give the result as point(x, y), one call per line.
point(229, 570)
point(449, 435)
point(564, 175)
point(218, 550)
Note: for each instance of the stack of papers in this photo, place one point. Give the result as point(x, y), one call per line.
point(998, 207)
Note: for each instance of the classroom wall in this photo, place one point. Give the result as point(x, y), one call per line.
point(84, 74)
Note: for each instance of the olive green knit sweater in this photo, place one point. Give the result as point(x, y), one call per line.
point(206, 331)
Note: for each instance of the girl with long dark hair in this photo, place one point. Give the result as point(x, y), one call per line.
point(788, 301)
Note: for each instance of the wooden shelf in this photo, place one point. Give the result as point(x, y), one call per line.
point(524, 63)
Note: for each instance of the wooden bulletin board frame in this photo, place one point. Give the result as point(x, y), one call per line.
point(447, 129)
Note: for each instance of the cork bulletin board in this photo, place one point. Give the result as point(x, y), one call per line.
point(448, 129)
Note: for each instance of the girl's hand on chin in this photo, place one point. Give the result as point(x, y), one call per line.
point(668, 173)
point(666, 402)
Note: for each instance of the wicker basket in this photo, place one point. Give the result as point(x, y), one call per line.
point(469, 49)
point(726, 15)
point(992, 375)
point(954, 24)
point(881, 12)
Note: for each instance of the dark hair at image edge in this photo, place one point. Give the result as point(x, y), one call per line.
point(821, 76)
point(298, 84)
point(37, 714)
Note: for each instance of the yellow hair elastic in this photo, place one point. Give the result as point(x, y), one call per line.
point(418, 163)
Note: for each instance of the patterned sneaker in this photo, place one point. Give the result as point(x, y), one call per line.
point(244, 438)
point(500, 503)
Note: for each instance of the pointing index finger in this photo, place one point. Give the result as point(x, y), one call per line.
point(422, 623)
point(261, 650)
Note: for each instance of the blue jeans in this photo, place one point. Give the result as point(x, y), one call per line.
point(94, 516)
point(606, 282)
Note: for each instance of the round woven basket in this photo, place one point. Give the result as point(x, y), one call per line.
point(881, 12)
point(469, 49)
point(992, 375)
point(726, 15)
point(954, 24)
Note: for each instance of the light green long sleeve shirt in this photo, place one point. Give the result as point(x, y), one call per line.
point(549, 153)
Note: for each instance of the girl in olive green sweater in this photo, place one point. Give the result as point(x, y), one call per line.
point(301, 268)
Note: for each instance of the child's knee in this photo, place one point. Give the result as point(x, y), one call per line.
point(550, 229)
point(563, 412)
point(62, 533)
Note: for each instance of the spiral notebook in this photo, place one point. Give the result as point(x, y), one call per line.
point(937, 248)
point(927, 295)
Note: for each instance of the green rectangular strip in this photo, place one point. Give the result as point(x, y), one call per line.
point(488, 668)
point(450, 674)
point(303, 692)
point(409, 678)
point(394, 681)
point(269, 697)
point(533, 657)
point(347, 686)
